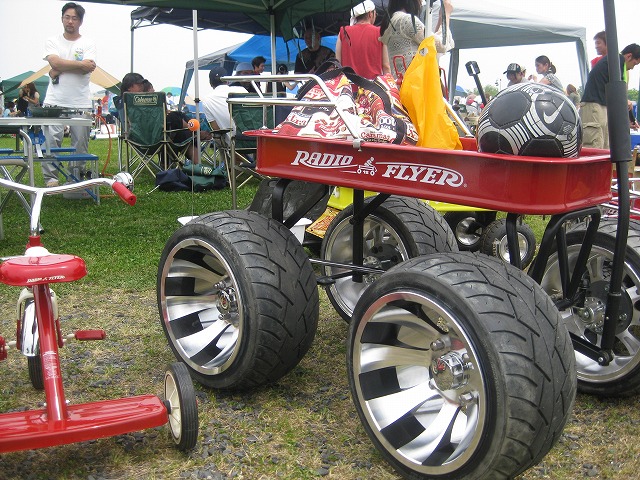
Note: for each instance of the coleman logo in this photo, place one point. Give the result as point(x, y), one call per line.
point(145, 99)
point(322, 160)
point(424, 174)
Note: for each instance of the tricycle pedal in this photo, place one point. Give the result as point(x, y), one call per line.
point(85, 335)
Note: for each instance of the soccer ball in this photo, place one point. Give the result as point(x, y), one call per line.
point(125, 178)
point(530, 119)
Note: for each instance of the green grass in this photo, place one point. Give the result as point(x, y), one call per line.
point(121, 244)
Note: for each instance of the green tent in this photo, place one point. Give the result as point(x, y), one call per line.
point(9, 86)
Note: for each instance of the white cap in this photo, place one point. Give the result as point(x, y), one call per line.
point(360, 9)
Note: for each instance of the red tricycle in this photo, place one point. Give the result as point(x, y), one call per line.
point(39, 338)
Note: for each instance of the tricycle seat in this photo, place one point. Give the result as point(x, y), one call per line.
point(38, 270)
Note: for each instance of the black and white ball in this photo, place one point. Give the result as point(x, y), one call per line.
point(530, 119)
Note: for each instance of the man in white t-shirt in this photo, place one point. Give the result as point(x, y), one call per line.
point(72, 58)
point(215, 105)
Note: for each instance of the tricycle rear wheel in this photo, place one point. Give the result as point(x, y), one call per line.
point(182, 406)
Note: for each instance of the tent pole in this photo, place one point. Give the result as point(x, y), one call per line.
point(132, 31)
point(196, 159)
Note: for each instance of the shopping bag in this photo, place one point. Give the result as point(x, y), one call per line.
point(421, 95)
point(173, 180)
point(204, 177)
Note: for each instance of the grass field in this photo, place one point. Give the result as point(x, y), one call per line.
point(302, 427)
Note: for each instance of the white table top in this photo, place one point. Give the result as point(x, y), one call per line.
point(40, 121)
point(30, 121)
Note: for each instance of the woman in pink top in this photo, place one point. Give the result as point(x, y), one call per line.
point(359, 45)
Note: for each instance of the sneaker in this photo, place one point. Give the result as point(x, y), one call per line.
point(52, 182)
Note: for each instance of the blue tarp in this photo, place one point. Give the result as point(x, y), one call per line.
point(257, 45)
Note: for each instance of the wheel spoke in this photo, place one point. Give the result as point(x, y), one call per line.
point(391, 408)
point(634, 295)
point(630, 341)
point(193, 344)
point(377, 357)
point(434, 439)
point(596, 268)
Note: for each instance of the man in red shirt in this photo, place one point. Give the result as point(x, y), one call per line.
point(358, 45)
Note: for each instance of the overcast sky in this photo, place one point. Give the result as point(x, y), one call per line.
point(161, 51)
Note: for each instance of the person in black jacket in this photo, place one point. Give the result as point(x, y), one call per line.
point(593, 108)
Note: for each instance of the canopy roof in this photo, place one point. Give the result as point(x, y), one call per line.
point(486, 24)
point(474, 25)
point(9, 86)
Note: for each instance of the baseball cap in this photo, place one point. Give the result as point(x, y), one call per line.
point(243, 66)
point(360, 9)
point(513, 67)
point(215, 73)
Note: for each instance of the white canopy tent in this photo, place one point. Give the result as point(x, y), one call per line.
point(485, 24)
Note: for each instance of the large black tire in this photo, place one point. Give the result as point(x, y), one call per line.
point(494, 241)
point(399, 229)
point(585, 319)
point(182, 406)
point(460, 368)
point(237, 298)
point(468, 227)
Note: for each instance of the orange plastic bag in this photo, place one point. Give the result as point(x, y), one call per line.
point(421, 95)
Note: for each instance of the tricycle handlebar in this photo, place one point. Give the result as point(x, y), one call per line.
point(38, 193)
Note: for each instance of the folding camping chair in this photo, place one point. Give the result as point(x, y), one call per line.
point(242, 148)
point(147, 138)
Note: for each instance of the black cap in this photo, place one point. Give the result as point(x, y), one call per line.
point(513, 67)
point(215, 73)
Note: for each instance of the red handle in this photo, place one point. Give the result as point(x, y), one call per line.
point(124, 193)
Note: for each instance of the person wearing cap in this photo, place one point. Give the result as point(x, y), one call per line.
point(359, 46)
point(515, 74)
point(245, 68)
point(309, 59)
point(215, 105)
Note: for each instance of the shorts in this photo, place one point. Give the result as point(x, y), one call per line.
point(595, 130)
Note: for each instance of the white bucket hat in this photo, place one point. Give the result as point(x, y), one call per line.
point(360, 9)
